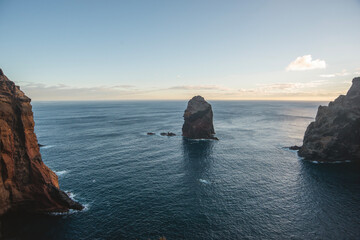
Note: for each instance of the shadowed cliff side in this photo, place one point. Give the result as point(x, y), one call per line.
point(26, 183)
point(198, 120)
point(335, 134)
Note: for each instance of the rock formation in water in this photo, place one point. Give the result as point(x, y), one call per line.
point(335, 134)
point(26, 183)
point(169, 134)
point(198, 120)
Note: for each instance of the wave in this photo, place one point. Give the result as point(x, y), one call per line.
point(71, 195)
point(71, 211)
point(47, 146)
point(200, 140)
point(329, 162)
point(315, 161)
point(325, 162)
point(60, 173)
point(204, 181)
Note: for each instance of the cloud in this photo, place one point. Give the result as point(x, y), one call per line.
point(40, 91)
point(306, 63)
point(327, 75)
point(318, 89)
point(200, 87)
point(124, 86)
point(344, 72)
point(289, 87)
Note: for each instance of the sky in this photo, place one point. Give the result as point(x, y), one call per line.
point(172, 50)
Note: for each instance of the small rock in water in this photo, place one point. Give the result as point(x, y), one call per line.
point(169, 134)
point(150, 133)
point(294, 147)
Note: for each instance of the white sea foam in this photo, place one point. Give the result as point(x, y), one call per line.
point(200, 140)
point(71, 195)
point(331, 162)
point(71, 211)
point(204, 181)
point(60, 173)
point(47, 146)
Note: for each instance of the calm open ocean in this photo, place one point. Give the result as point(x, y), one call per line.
point(134, 186)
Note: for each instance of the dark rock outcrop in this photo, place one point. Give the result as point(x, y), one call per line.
point(335, 134)
point(198, 120)
point(26, 183)
point(169, 134)
point(295, 148)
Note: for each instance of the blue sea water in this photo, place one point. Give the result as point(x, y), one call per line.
point(134, 186)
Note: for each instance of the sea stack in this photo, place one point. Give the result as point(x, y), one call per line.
point(198, 120)
point(335, 134)
point(26, 183)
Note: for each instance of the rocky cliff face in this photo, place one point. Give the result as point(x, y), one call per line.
point(198, 120)
point(26, 183)
point(335, 134)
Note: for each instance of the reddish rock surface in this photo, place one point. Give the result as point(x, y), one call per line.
point(26, 183)
point(198, 120)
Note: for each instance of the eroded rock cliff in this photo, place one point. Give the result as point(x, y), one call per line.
point(198, 120)
point(335, 134)
point(26, 183)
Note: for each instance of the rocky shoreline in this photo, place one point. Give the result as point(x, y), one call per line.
point(335, 133)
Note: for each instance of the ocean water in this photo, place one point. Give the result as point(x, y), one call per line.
point(134, 186)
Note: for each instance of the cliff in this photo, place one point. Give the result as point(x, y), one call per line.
point(26, 183)
point(335, 134)
point(198, 120)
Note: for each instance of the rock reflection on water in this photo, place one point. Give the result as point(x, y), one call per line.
point(197, 149)
point(197, 156)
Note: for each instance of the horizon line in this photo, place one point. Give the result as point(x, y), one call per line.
point(178, 100)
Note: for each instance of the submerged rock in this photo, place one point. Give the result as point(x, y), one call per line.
point(169, 134)
point(198, 120)
point(335, 134)
point(26, 183)
point(295, 148)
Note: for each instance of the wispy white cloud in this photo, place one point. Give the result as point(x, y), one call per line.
point(124, 86)
point(306, 63)
point(259, 90)
point(344, 72)
point(40, 91)
point(292, 90)
point(327, 75)
point(200, 87)
point(289, 87)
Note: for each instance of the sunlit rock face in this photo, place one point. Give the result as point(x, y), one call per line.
point(26, 183)
point(335, 134)
point(198, 120)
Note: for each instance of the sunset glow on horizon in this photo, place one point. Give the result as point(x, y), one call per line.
point(143, 50)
